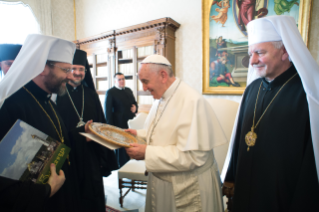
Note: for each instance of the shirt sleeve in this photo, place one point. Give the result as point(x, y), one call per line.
point(171, 159)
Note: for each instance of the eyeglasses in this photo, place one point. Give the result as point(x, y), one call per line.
point(66, 70)
point(79, 69)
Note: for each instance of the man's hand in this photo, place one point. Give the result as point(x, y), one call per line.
point(55, 181)
point(136, 151)
point(87, 129)
point(133, 108)
point(133, 132)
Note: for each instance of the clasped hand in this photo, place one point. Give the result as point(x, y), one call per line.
point(136, 151)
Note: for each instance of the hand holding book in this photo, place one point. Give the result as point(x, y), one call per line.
point(55, 181)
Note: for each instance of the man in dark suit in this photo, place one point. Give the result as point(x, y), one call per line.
point(120, 106)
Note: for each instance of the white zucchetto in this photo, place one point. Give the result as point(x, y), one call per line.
point(156, 59)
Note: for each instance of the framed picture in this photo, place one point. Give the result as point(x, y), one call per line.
point(225, 43)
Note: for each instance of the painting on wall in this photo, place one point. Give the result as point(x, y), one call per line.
point(225, 43)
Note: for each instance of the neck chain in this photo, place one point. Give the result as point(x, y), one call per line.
point(251, 136)
point(59, 134)
point(155, 123)
point(81, 122)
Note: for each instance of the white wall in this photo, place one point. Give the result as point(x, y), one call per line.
point(63, 19)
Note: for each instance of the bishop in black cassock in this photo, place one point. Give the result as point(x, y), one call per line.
point(25, 97)
point(118, 103)
point(30, 196)
point(93, 161)
point(278, 171)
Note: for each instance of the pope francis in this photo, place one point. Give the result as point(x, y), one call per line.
point(181, 131)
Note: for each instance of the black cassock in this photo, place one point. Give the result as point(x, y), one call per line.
point(118, 105)
point(279, 172)
point(27, 196)
point(93, 161)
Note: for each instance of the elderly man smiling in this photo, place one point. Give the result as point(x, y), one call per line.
point(273, 153)
point(181, 131)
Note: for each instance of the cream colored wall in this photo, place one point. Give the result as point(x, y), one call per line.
point(63, 19)
point(97, 16)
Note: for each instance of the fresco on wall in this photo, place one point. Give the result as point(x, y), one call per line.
point(228, 44)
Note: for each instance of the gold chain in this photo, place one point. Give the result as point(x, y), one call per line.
point(59, 134)
point(80, 117)
point(251, 136)
point(270, 101)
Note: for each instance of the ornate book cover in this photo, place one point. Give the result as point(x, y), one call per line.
point(26, 154)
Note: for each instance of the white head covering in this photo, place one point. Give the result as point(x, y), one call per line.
point(156, 59)
point(31, 60)
point(276, 28)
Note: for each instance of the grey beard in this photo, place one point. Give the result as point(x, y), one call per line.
point(76, 83)
point(61, 91)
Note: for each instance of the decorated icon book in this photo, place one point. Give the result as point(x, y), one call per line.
point(26, 154)
point(111, 136)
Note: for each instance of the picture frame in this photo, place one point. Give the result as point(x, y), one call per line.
point(225, 44)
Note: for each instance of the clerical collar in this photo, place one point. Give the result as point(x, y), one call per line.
point(37, 91)
point(119, 87)
point(71, 88)
point(281, 79)
point(171, 89)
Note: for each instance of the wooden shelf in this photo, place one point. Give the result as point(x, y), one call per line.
point(144, 93)
point(100, 92)
point(101, 77)
point(129, 77)
point(101, 64)
point(124, 61)
point(140, 59)
point(152, 37)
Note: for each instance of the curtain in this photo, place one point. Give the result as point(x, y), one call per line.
point(42, 12)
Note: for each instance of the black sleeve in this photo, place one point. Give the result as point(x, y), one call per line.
point(16, 195)
point(307, 187)
point(107, 157)
point(99, 110)
point(231, 170)
point(133, 98)
point(108, 108)
point(22, 196)
point(7, 120)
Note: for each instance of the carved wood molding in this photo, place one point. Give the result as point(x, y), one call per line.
point(160, 40)
point(112, 49)
point(158, 24)
point(102, 36)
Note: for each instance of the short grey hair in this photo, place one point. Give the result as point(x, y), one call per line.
point(277, 44)
point(158, 67)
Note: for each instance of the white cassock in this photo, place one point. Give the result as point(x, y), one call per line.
point(181, 131)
